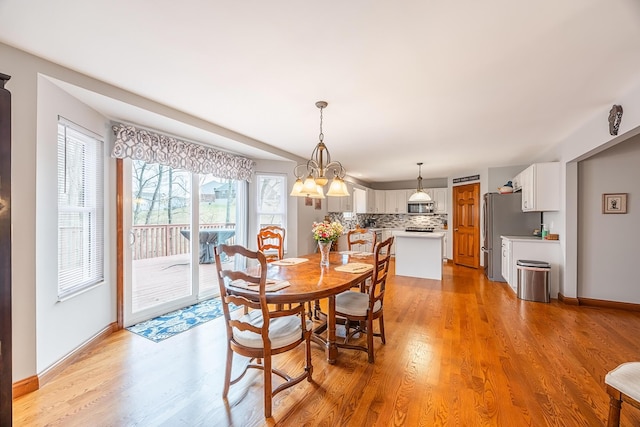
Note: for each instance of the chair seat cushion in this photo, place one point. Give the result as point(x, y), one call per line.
point(282, 330)
point(354, 303)
point(626, 379)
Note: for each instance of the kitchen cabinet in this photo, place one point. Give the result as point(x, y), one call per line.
point(371, 200)
point(359, 200)
point(396, 201)
point(531, 248)
point(379, 201)
point(506, 260)
point(541, 187)
point(439, 197)
point(341, 204)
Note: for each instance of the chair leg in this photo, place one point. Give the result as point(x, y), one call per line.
point(370, 339)
point(614, 411)
point(309, 367)
point(381, 321)
point(268, 388)
point(227, 372)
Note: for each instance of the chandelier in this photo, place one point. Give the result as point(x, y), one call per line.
point(317, 169)
point(420, 195)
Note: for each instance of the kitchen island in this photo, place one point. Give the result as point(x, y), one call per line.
point(419, 254)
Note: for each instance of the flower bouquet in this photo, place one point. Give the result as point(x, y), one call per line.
point(326, 233)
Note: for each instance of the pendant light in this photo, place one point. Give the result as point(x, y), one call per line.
point(316, 170)
point(420, 195)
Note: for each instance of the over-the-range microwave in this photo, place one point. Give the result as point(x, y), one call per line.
point(420, 207)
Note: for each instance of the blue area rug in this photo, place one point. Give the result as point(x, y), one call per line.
point(170, 324)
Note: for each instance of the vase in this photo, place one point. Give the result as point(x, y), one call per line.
point(325, 247)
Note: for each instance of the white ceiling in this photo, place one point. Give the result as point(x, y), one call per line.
point(458, 85)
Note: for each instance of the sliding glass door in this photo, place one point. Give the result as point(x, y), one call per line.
point(167, 264)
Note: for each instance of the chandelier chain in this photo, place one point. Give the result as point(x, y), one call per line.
point(321, 136)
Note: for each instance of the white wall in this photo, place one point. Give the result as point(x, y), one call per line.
point(63, 325)
point(609, 243)
point(591, 138)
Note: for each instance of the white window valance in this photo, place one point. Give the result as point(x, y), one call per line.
point(140, 144)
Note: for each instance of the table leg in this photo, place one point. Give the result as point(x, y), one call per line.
point(332, 348)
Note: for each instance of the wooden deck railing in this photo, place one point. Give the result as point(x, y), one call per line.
point(151, 241)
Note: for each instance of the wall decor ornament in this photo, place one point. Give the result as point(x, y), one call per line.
point(615, 117)
point(614, 203)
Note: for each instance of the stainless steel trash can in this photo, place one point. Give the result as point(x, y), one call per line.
point(533, 280)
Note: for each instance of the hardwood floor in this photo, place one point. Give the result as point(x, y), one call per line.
point(464, 351)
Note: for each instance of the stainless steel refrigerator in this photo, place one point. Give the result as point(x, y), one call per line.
point(503, 216)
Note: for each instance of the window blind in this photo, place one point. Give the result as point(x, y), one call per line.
point(80, 209)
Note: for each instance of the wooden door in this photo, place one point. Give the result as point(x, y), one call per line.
point(6, 395)
point(466, 225)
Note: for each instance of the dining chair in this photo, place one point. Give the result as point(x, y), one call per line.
point(623, 385)
point(366, 242)
point(263, 331)
point(271, 242)
point(362, 237)
point(360, 309)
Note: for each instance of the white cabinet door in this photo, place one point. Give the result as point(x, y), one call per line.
point(380, 201)
point(527, 182)
point(360, 200)
point(439, 197)
point(506, 261)
point(541, 187)
point(390, 201)
point(371, 201)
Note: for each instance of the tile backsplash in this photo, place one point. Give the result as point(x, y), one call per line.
point(392, 220)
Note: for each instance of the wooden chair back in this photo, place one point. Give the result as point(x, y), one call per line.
point(271, 242)
point(361, 236)
point(258, 318)
point(382, 260)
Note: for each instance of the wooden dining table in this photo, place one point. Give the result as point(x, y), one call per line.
point(311, 282)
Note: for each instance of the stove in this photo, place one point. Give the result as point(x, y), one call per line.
point(420, 229)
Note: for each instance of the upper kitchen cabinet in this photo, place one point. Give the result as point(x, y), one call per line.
point(395, 201)
point(371, 200)
point(360, 200)
point(439, 197)
point(341, 204)
point(379, 197)
point(540, 184)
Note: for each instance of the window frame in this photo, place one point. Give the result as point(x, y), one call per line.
point(283, 212)
point(86, 267)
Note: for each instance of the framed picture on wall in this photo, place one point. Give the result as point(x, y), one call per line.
point(614, 203)
point(308, 201)
point(318, 204)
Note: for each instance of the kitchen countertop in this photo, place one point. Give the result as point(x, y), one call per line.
point(529, 239)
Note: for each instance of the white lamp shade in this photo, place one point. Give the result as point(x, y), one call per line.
point(297, 188)
point(309, 188)
point(420, 196)
point(338, 188)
